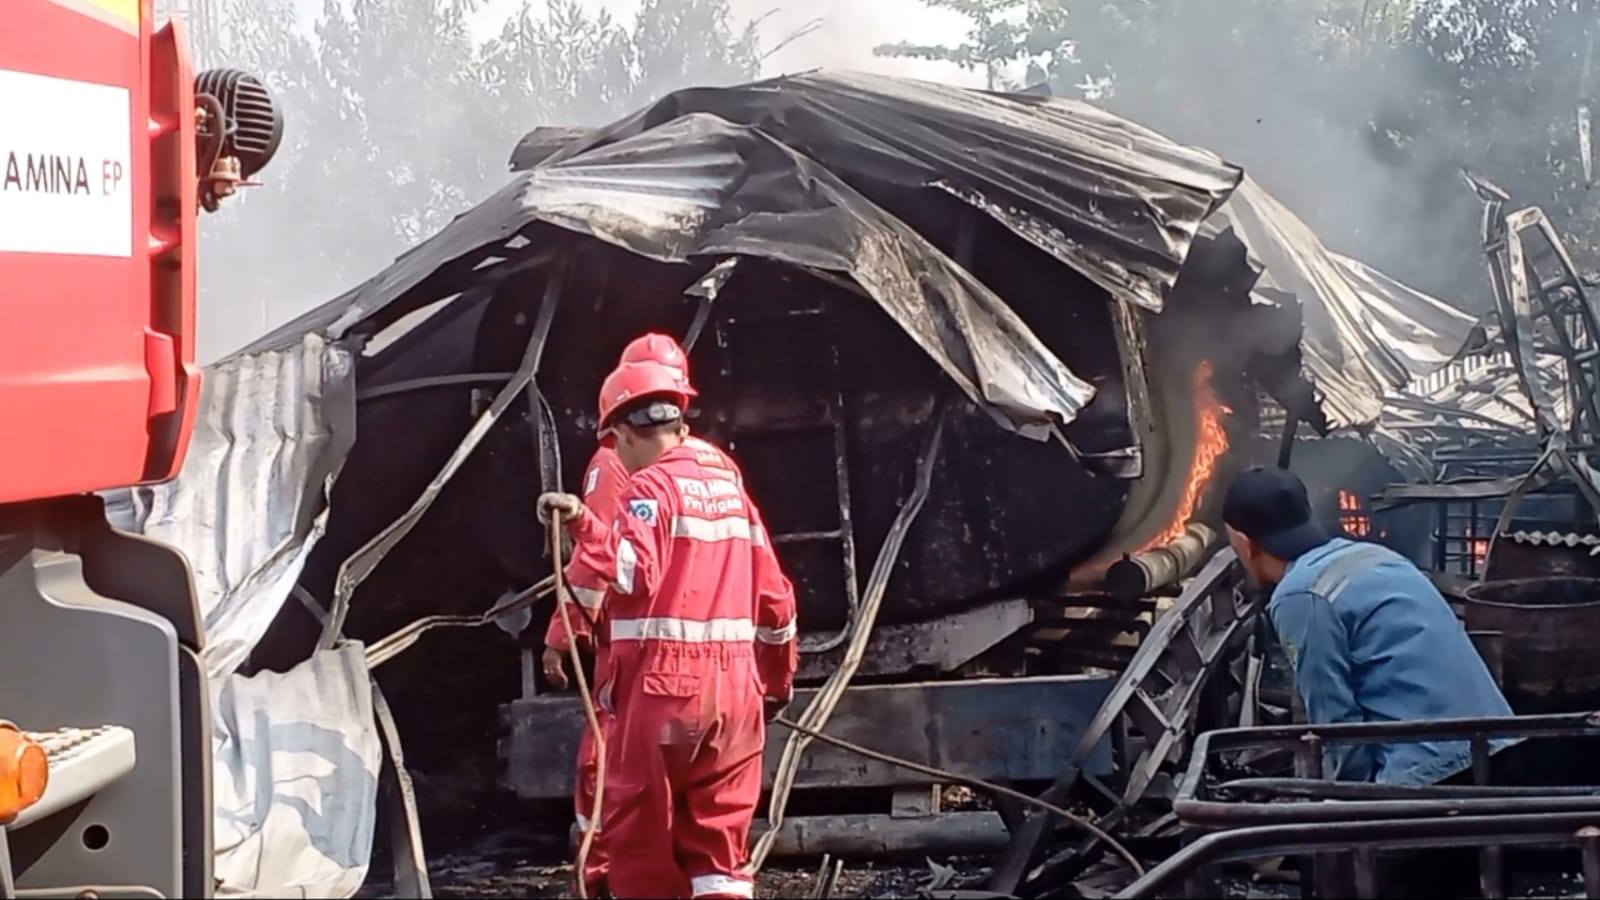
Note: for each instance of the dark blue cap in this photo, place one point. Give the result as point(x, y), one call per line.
point(1270, 507)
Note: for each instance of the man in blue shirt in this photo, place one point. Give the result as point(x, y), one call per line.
point(1368, 635)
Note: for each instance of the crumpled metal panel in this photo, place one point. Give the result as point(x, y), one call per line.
point(249, 504)
point(684, 190)
point(1114, 200)
point(1472, 403)
point(702, 186)
point(1363, 334)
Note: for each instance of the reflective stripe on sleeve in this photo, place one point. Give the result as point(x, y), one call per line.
point(686, 630)
point(588, 598)
point(777, 635)
point(627, 562)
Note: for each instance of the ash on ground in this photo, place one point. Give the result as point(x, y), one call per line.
point(513, 864)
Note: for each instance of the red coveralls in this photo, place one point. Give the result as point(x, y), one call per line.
point(603, 483)
point(702, 628)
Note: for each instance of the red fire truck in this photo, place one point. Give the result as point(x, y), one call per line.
point(109, 148)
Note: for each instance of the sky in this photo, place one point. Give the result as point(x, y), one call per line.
point(849, 30)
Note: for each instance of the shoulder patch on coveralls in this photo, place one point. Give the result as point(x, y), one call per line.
point(643, 510)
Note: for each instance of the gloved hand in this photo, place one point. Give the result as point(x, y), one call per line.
point(773, 707)
point(567, 506)
point(555, 670)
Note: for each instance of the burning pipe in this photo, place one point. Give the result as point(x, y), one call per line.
point(1140, 574)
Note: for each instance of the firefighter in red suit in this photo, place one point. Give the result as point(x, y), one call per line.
point(702, 649)
point(603, 482)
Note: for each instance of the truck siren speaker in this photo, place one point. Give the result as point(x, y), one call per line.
point(253, 124)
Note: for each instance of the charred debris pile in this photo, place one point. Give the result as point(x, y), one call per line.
point(982, 356)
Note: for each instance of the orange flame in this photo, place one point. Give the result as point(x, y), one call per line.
point(1478, 547)
point(1352, 515)
point(1209, 447)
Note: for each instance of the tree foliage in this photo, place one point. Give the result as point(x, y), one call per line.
point(997, 36)
point(398, 118)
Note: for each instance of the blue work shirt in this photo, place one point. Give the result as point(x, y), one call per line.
point(1372, 640)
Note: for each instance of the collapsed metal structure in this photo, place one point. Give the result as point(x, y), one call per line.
point(1528, 603)
point(1002, 344)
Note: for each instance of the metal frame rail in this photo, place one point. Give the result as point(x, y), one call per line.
point(1365, 816)
point(1363, 838)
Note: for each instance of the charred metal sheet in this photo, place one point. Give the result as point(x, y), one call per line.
point(360, 564)
point(1109, 198)
point(943, 645)
point(992, 729)
point(690, 189)
point(250, 502)
point(1363, 334)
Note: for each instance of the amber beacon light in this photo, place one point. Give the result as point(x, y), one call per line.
point(24, 772)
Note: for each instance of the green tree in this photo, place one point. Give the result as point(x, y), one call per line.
point(397, 120)
point(1359, 114)
point(996, 37)
point(683, 43)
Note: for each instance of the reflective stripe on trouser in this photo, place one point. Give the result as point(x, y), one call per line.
point(698, 754)
point(721, 886)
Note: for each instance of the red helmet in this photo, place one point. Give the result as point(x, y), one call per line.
point(631, 381)
point(659, 349)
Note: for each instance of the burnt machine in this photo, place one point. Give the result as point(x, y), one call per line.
point(983, 402)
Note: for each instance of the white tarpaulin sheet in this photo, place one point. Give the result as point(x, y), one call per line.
point(296, 762)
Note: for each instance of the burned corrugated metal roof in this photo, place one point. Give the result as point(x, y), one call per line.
point(1363, 335)
point(1112, 199)
point(1115, 201)
point(249, 504)
point(1473, 402)
point(700, 186)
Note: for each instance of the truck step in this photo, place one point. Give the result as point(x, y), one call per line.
point(83, 762)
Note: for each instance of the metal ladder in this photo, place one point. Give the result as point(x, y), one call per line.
point(832, 421)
